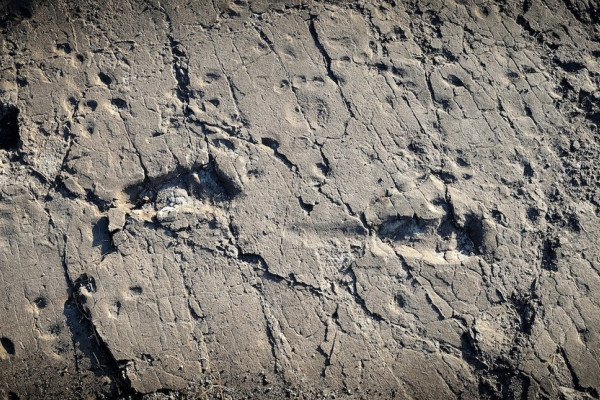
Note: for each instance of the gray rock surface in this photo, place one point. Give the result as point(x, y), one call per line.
point(304, 199)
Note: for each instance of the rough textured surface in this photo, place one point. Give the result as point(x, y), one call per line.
point(357, 199)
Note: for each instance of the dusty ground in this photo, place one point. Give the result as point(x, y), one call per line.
point(359, 199)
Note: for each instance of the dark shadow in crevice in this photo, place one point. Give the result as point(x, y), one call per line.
point(549, 255)
point(15, 11)
point(8, 345)
point(101, 236)
point(87, 342)
point(9, 127)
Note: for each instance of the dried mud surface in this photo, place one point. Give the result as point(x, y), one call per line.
point(359, 199)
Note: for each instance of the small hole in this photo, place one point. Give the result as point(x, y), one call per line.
point(272, 143)
point(456, 81)
point(400, 33)
point(224, 143)
point(499, 217)
point(87, 282)
point(64, 47)
point(533, 214)
point(55, 329)
point(41, 302)
point(136, 289)
point(177, 50)
point(325, 169)
point(400, 301)
point(93, 104)
point(8, 345)
point(381, 66)
point(527, 170)
point(232, 13)
point(462, 162)
point(13, 396)
point(9, 127)
point(119, 103)
point(147, 358)
point(107, 80)
point(306, 206)
point(212, 76)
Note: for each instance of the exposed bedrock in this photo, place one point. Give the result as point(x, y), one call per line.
point(305, 199)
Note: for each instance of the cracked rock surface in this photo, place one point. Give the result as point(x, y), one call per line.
point(304, 199)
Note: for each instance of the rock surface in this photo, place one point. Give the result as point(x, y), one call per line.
point(305, 199)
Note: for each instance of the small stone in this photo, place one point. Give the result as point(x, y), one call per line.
point(116, 219)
